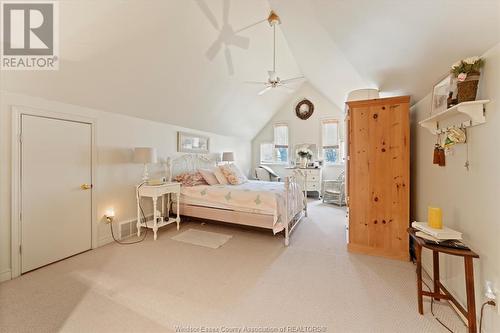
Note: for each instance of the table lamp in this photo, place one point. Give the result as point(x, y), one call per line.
point(145, 155)
point(228, 156)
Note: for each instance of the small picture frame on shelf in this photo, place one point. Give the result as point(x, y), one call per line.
point(443, 94)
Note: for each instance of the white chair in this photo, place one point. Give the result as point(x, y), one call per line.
point(267, 174)
point(334, 190)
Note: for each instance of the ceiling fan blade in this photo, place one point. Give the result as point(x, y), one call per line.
point(213, 49)
point(225, 11)
point(255, 82)
point(208, 13)
point(263, 91)
point(239, 41)
point(288, 90)
point(229, 61)
point(292, 79)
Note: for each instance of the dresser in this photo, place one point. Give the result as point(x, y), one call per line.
point(378, 176)
point(313, 178)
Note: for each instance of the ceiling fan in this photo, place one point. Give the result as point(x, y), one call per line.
point(274, 80)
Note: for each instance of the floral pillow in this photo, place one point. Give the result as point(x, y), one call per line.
point(233, 174)
point(190, 179)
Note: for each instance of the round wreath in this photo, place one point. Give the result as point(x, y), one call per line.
point(300, 113)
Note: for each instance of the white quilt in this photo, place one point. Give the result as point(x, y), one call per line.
point(259, 196)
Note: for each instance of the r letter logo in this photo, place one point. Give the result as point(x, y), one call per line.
point(30, 35)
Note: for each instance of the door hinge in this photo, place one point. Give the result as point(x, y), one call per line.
point(20, 249)
point(20, 216)
point(20, 138)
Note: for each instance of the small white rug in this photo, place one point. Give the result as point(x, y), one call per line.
point(212, 240)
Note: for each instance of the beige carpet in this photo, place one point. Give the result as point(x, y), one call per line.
point(213, 240)
point(252, 280)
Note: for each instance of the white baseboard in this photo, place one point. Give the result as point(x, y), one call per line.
point(109, 239)
point(5, 275)
point(105, 240)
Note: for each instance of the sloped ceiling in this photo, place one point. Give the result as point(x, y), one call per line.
point(146, 58)
point(398, 46)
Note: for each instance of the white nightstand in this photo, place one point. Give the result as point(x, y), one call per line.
point(155, 192)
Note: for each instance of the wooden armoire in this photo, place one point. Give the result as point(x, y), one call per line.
point(378, 176)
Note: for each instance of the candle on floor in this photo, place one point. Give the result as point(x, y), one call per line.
point(435, 217)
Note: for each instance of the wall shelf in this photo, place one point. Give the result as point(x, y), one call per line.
point(475, 110)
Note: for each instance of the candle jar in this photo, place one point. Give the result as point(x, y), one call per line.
point(435, 217)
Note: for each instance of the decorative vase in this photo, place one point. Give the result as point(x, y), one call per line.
point(303, 162)
point(467, 89)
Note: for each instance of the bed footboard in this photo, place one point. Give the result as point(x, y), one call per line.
point(294, 212)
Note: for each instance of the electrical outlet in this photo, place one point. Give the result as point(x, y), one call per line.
point(491, 293)
point(489, 290)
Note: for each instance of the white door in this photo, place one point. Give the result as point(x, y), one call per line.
point(56, 207)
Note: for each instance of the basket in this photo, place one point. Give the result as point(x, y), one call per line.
point(467, 90)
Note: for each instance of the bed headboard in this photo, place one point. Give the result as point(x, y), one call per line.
point(190, 163)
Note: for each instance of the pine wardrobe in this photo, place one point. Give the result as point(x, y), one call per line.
point(378, 176)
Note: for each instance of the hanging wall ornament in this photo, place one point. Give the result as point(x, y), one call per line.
point(435, 158)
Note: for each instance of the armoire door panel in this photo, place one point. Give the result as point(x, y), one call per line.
point(378, 176)
point(358, 173)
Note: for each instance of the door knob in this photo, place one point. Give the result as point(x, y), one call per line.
point(86, 186)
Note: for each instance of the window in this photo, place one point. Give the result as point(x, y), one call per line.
point(330, 141)
point(266, 153)
point(276, 152)
point(281, 143)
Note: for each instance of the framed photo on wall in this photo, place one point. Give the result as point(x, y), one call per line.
point(192, 143)
point(440, 94)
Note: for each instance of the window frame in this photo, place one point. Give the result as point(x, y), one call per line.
point(275, 146)
point(340, 160)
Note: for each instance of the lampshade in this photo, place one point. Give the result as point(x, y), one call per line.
point(227, 156)
point(145, 155)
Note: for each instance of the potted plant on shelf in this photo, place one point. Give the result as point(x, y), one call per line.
point(305, 155)
point(467, 72)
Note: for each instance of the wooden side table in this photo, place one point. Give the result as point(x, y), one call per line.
point(468, 255)
point(155, 192)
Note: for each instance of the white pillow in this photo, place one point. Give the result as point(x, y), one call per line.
point(209, 176)
point(220, 176)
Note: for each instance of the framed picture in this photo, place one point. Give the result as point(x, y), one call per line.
point(440, 94)
point(192, 143)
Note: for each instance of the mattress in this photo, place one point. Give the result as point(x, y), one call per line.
point(205, 203)
point(267, 198)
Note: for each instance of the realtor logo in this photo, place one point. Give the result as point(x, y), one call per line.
point(30, 35)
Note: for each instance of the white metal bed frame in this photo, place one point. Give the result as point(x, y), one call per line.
point(193, 162)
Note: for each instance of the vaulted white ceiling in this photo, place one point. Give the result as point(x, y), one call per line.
point(397, 46)
point(147, 58)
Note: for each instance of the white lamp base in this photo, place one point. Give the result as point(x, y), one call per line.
point(145, 176)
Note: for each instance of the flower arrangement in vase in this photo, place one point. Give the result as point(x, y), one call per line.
point(305, 155)
point(467, 72)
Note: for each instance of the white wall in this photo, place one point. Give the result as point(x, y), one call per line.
point(300, 131)
point(469, 199)
point(116, 136)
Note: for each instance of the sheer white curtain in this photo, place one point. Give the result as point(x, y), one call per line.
point(281, 136)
